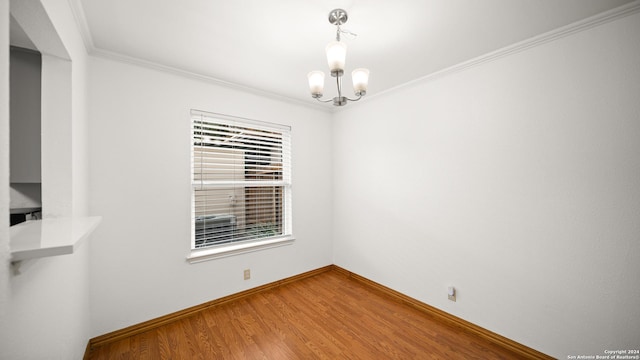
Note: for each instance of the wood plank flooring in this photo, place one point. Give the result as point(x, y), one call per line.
point(327, 316)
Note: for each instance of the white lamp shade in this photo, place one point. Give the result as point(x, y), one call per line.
point(360, 79)
point(336, 55)
point(316, 82)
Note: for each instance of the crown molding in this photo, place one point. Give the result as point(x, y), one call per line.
point(83, 25)
point(578, 26)
point(97, 52)
point(550, 36)
point(87, 38)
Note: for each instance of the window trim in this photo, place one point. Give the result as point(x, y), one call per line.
point(197, 255)
point(242, 247)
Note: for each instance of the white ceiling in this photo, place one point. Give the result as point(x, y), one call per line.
point(270, 46)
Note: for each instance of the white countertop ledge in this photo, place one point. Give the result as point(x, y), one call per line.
point(50, 237)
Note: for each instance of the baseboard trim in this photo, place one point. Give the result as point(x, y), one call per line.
point(87, 351)
point(166, 319)
point(523, 351)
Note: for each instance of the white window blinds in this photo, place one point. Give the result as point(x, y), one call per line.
point(241, 180)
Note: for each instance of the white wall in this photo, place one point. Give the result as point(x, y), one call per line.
point(4, 160)
point(140, 184)
point(46, 307)
point(517, 181)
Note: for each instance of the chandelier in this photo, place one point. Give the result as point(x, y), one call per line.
point(336, 54)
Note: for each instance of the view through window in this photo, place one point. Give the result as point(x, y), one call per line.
point(240, 178)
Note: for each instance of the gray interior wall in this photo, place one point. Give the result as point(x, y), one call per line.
point(25, 108)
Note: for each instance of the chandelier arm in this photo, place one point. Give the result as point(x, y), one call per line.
point(324, 101)
point(339, 83)
point(356, 99)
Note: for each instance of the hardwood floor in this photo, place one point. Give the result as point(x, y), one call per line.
point(326, 316)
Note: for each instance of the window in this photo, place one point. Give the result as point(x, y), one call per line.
point(241, 181)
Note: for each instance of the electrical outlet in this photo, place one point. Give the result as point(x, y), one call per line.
point(451, 293)
point(247, 274)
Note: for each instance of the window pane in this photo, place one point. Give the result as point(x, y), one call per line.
point(240, 180)
point(224, 215)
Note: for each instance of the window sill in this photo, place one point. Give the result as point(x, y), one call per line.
point(226, 250)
